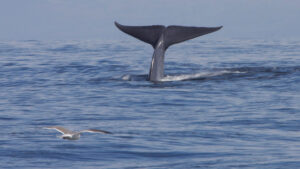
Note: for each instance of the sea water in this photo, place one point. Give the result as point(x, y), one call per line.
point(222, 104)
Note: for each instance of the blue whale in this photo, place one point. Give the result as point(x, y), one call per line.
point(161, 37)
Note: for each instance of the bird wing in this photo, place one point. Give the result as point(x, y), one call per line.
point(60, 129)
point(95, 131)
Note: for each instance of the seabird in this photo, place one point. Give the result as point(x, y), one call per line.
point(71, 135)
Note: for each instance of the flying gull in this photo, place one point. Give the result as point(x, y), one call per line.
point(71, 135)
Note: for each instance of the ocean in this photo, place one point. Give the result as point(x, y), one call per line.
point(223, 104)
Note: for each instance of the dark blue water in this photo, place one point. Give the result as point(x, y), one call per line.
point(223, 104)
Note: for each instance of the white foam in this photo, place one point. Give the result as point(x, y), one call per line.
point(170, 78)
point(126, 77)
point(197, 75)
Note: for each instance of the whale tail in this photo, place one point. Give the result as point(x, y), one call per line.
point(172, 34)
point(161, 37)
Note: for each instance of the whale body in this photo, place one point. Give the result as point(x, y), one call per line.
point(161, 37)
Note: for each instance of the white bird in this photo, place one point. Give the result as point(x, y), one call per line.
point(71, 135)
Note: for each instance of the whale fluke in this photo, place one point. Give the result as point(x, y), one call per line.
point(177, 34)
point(161, 37)
point(148, 34)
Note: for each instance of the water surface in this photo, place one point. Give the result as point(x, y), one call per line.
point(222, 104)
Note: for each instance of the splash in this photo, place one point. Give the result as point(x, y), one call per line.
point(201, 75)
point(126, 77)
point(182, 77)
